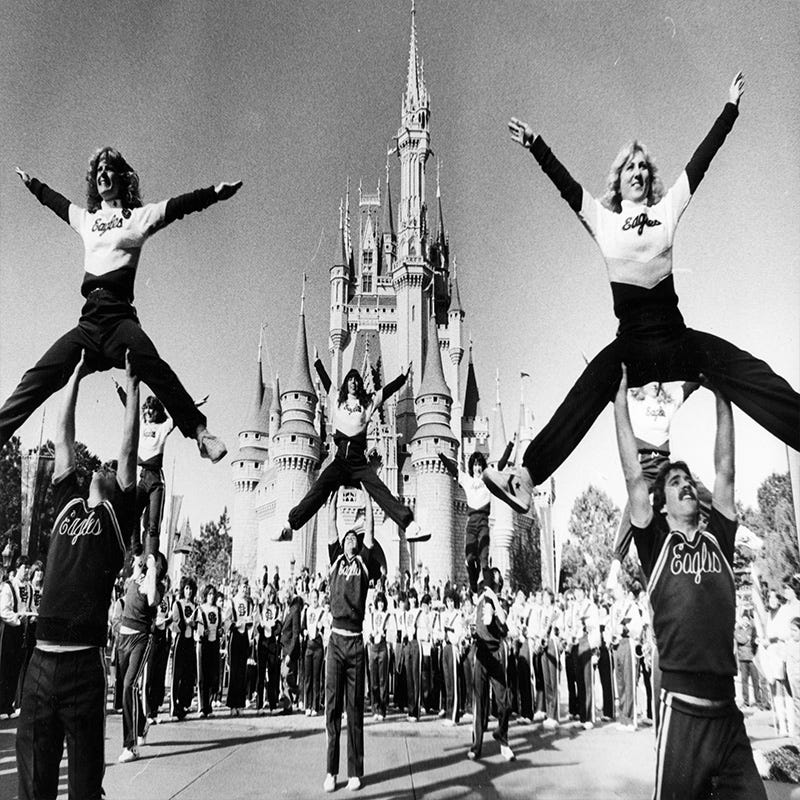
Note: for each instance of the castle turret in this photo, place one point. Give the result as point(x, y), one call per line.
point(435, 487)
point(296, 455)
point(388, 238)
point(501, 515)
point(247, 469)
point(339, 278)
point(455, 319)
point(474, 426)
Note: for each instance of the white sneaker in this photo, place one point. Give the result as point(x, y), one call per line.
point(415, 534)
point(141, 741)
point(354, 784)
point(588, 725)
point(513, 488)
point(128, 754)
point(329, 785)
point(539, 716)
point(507, 752)
point(550, 724)
point(212, 447)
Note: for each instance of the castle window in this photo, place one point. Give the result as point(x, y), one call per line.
point(366, 283)
point(368, 254)
point(436, 440)
point(293, 438)
point(258, 436)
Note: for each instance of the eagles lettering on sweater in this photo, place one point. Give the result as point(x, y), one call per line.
point(693, 596)
point(349, 584)
point(113, 237)
point(637, 242)
point(87, 548)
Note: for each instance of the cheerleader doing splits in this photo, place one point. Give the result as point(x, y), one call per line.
point(352, 411)
point(634, 226)
point(114, 227)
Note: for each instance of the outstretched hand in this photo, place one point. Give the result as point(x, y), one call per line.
point(622, 391)
point(24, 176)
point(226, 190)
point(132, 377)
point(84, 366)
point(521, 132)
point(736, 89)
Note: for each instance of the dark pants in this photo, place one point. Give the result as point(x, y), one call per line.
point(525, 679)
point(625, 666)
point(132, 652)
point(312, 670)
point(453, 681)
point(344, 690)
point(184, 675)
point(350, 471)
point(11, 657)
point(269, 672)
point(490, 667)
point(413, 662)
point(538, 678)
point(747, 672)
point(664, 353)
point(64, 696)
point(150, 507)
point(605, 669)
point(584, 676)
point(208, 676)
point(571, 675)
point(476, 547)
point(704, 752)
point(379, 677)
point(238, 651)
point(647, 678)
point(550, 659)
point(107, 328)
point(156, 674)
point(289, 686)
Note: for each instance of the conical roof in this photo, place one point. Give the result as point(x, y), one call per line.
point(252, 420)
point(433, 381)
point(472, 397)
point(455, 297)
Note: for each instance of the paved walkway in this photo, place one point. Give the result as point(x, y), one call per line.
point(267, 757)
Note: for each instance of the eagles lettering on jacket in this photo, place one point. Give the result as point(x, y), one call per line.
point(349, 584)
point(86, 552)
point(113, 237)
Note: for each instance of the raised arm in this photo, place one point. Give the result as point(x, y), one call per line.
point(450, 465)
point(198, 200)
point(65, 426)
point(722, 496)
point(707, 149)
point(369, 520)
point(638, 495)
point(325, 379)
point(126, 467)
point(570, 189)
point(382, 395)
point(501, 464)
point(149, 586)
point(46, 196)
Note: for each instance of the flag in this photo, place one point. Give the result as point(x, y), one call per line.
point(36, 472)
point(185, 539)
point(524, 374)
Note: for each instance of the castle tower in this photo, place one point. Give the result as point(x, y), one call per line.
point(501, 516)
point(247, 469)
point(474, 426)
point(455, 319)
point(388, 238)
point(412, 273)
point(435, 488)
point(296, 456)
point(339, 279)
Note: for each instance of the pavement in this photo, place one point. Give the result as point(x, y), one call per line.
point(225, 758)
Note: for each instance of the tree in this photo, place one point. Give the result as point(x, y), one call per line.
point(526, 558)
point(774, 522)
point(210, 558)
point(587, 554)
point(10, 490)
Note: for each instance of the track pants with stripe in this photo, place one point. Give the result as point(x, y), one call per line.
point(451, 669)
point(208, 674)
point(64, 696)
point(550, 659)
point(490, 668)
point(703, 753)
point(157, 671)
point(379, 677)
point(132, 653)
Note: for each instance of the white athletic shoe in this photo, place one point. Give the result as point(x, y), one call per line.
point(539, 716)
point(507, 752)
point(513, 488)
point(550, 724)
point(588, 725)
point(354, 784)
point(415, 534)
point(472, 755)
point(329, 784)
point(128, 754)
point(211, 447)
point(628, 727)
point(448, 723)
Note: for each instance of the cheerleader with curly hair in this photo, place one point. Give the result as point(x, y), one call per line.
point(114, 226)
point(634, 226)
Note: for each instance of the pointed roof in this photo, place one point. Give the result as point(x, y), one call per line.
point(387, 222)
point(472, 397)
point(499, 440)
point(433, 381)
point(300, 380)
point(251, 420)
point(415, 84)
point(340, 257)
point(455, 297)
point(275, 404)
point(440, 237)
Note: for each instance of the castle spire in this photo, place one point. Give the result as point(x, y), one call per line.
point(498, 443)
point(415, 84)
point(387, 225)
point(455, 297)
point(433, 381)
point(300, 380)
point(472, 397)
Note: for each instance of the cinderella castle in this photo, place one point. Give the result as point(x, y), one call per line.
point(394, 301)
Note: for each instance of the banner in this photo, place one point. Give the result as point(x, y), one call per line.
point(184, 541)
point(794, 476)
point(550, 551)
point(36, 472)
point(170, 523)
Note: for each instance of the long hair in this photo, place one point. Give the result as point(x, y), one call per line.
point(612, 198)
point(476, 458)
point(659, 496)
point(156, 407)
point(363, 396)
point(127, 175)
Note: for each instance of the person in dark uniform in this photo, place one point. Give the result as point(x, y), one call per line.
point(184, 660)
point(160, 640)
point(64, 693)
point(702, 745)
point(240, 625)
point(208, 633)
point(268, 650)
point(350, 573)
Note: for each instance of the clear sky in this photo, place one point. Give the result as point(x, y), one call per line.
point(294, 97)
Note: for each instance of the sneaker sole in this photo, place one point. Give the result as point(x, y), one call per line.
point(501, 494)
point(423, 538)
